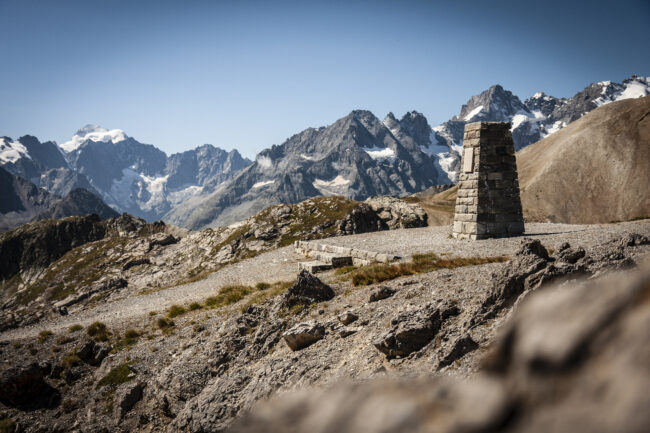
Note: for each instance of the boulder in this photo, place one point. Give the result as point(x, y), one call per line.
point(307, 290)
point(304, 334)
point(93, 353)
point(24, 387)
point(412, 330)
point(382, 292)
point(347, 317)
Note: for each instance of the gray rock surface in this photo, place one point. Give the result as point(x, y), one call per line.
point(304, 334)
point(307, 290)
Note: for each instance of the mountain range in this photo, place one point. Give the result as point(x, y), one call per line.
point(357, 156)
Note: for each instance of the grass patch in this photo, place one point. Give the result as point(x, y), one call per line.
point(421, 263)
point(98, 331)
point(130, 338)
point(75, 328)
point(344, 270)
point(194, 306)
point(117, 376)
point(175, 311)
point(71, 360)
point(262, 286)
point(64, 340)
point(273, 290)
point(43, 336)
point(227, 296)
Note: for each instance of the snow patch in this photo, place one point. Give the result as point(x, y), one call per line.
point(12, 151)
point(262, 184)
point(264, 161)
point(308, 158)
point(331, 187)
point(379, 153)
point(93, 133)
point(635, 89)
point(473, 113)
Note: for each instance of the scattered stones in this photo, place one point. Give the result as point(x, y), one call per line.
point(306, 290)
point(382, 292)
point(347, 317)
point(162, 239)
point(304, 334)
point(412, 330)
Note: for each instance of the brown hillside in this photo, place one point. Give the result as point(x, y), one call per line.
point(595, 170)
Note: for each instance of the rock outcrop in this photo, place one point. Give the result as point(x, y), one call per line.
point(571, 359)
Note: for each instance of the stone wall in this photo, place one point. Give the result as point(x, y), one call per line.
point(488, 202)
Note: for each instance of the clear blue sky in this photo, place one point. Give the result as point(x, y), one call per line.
point(244, 74)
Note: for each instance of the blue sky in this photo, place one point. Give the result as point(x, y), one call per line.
point(246, 75)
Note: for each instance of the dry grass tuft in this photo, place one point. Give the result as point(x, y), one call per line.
point(421, 263)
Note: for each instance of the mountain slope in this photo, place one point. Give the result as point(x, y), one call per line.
point(78, 202)
point(41, 163)
point(357, 157)
point(593, 171)
point(22, 201)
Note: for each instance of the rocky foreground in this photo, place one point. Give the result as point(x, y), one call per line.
point(383, 356)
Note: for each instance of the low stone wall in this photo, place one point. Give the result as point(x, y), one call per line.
point(358, 256)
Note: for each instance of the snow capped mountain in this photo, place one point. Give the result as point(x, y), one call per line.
point(537, 117)
point(93, 133)
point(11, 151)
point(139, 178)
point(43, 164)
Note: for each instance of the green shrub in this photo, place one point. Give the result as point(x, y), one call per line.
point(117, 376)
point(262, 286)
point(175, 311)
point(98, 331)
point(43, 336)
point(75, 328)
point(163, 323)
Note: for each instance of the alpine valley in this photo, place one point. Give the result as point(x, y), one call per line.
point(358, 156)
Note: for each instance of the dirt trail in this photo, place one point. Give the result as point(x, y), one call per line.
point(282, 265)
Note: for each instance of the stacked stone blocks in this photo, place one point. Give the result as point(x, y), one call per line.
point(488, 202)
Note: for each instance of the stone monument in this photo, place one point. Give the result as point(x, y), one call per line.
point(488, 203)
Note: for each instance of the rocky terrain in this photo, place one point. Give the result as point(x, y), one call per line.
point(90, 261)
point(200, 365)
point(592, 171)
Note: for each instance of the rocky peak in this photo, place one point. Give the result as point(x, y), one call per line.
point(493, 105)
point(416, 126)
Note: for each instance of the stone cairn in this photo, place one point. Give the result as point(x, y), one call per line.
point(488, 203)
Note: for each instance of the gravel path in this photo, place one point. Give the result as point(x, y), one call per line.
point(277, 265)
point(282, 265)
point(406, 242)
